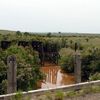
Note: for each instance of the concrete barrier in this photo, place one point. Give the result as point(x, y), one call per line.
point(39, 92)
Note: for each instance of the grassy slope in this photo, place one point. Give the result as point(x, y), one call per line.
point(6, 32)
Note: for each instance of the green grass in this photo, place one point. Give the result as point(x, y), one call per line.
point(60, 95)
point(84, 91)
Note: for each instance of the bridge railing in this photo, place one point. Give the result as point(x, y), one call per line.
point(40, 92)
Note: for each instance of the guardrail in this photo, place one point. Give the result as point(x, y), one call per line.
point(39, 92)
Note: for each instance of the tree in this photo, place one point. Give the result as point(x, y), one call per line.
point(28, 69)
point(49, 34)
point(26, 33)
point(90, 64)
point(18, 33)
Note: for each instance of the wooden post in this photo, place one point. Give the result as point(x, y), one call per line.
point(11, 74)
point(77, 67)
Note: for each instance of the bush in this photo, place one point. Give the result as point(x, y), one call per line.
point(90, 64)
point(95, 76)
point(66, 60)
point(28, 62)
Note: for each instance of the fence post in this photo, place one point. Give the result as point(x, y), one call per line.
point(11, 74)
point(77, 67)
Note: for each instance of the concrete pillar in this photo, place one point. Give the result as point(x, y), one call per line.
point(11, 74)
point(43, 55)
point(77, 67)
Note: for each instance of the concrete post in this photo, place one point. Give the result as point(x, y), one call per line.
point(77, 67)
point(11, 74)
point(42, 54)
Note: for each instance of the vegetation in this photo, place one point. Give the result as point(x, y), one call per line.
point(64, 45)
point(28, 68)
point(66, 60)
point(60, 95)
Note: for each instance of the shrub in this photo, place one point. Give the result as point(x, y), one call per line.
point(66, 60)
point(28, 62)
point(95, 76)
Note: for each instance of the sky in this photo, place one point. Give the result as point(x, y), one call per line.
point(82, 16)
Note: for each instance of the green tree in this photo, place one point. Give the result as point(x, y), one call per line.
point(28, 69)
point(18, 33)
point(26, 33)
point(49, 34)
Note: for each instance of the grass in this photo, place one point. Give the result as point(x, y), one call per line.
point(84, 91)
point(18, 96)
point(60, 95)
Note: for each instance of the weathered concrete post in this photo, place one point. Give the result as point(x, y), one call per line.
point(11, 74)
point(42, 55)
point(77, 67)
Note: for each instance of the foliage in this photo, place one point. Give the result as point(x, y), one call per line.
point(64, 44)
point(59, 95)
point(18, 33)
point(26, 33)
point(95, 76)
point(72, 94)
point(18, 96)
point(28, 72)
point(3, 73)
point(49, 34)
point(48, 96)
point(90, 64)
point(3, 86)
point(83, 91)
point(66, 60)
